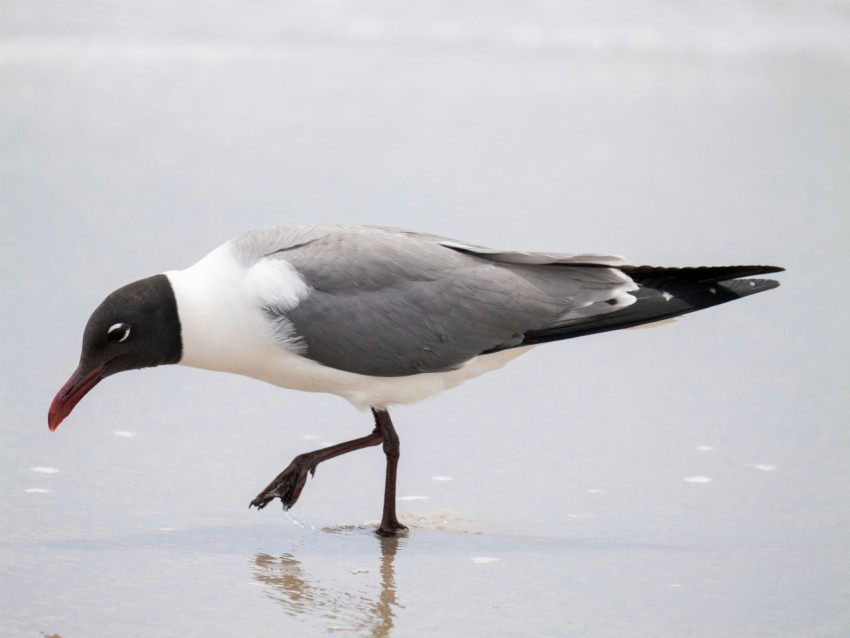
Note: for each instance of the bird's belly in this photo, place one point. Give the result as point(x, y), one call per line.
point(364, 391)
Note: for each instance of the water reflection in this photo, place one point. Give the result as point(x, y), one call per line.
point(301, 595)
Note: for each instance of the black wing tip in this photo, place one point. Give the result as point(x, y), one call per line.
point(697, 274)
point(764, 269)
point(746, 287)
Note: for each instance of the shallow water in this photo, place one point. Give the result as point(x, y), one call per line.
point(686, 480)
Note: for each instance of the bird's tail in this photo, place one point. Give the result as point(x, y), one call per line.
point(665, 293)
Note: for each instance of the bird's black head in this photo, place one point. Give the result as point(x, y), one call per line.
point(137, 326)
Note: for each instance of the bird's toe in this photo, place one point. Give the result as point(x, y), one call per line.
point(391, 528)
point(260, 501)
point(287, 486)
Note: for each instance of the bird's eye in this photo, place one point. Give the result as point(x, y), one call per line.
point(118, 332)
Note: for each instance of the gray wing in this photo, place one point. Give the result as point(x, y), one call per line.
point(388, 303)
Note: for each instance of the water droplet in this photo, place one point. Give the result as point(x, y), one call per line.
point(44, 470)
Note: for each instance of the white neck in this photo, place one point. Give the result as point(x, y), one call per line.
point(220, 303)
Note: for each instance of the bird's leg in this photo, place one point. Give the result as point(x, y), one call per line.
point(389, 522)
point(289, 483)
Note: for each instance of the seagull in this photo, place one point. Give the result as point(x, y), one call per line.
point(378, 316)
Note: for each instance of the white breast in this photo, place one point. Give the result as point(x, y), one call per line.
point(220, 303)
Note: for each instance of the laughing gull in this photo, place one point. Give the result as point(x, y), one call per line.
point(378, 316)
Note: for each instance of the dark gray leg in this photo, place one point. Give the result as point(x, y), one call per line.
point(288, 484)
point(383, 424)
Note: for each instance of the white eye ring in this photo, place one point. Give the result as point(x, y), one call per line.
point(113, 330)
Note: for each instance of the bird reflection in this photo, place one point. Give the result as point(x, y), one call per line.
point(343, 608)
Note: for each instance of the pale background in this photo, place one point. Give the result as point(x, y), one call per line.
point(136, 136)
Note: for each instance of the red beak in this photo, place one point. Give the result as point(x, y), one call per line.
point(75, 389)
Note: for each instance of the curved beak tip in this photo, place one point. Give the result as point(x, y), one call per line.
point(74, 389)
point(59, 409)
point(53, 420)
